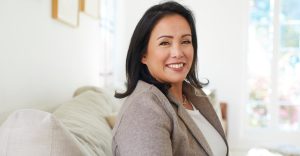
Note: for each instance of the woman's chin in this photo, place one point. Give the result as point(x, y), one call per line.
point(175, 80)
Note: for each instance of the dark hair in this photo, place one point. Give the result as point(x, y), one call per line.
point(135, 70)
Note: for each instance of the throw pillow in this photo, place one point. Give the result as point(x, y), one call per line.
point(84, 117)
point(31, 132)
point(111, 120)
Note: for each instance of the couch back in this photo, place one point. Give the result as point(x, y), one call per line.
point(82, 121)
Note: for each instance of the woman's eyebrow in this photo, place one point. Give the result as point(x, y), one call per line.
point(186, 35)
point(170, 36)
point(165, 36)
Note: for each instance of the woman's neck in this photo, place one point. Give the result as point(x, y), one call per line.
point(176, 91)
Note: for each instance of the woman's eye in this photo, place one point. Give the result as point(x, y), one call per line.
point(186, 42)
point(164, 43)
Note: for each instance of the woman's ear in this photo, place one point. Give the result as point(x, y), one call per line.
point(144, 59)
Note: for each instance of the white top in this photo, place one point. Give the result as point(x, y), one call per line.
point(213, 138)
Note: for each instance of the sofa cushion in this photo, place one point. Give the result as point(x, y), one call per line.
point(84, 117)
point(36, 133)
point(111, 120)
point(107, 93)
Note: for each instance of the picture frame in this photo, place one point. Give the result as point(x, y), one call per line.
point(90, 8)
point(66, 11)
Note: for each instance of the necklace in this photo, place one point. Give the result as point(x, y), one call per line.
point(186, 103)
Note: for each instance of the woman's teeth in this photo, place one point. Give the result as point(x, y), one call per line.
point(176, 66)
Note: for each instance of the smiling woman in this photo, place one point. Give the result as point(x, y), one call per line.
point(169, 55)
point(166, 112)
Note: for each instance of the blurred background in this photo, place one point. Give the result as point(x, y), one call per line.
point(249, 50)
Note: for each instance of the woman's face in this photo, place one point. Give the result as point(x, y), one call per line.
point(170, 52)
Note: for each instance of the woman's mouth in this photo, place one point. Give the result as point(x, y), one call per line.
point(176, 65)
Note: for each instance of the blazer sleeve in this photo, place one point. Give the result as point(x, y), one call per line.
point(144, 129)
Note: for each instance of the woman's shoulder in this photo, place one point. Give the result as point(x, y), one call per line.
point(145, 97)
point(145, 93)
point(146, 102)
point(143, 87)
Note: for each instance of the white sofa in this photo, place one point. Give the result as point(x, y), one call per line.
point(79, 127)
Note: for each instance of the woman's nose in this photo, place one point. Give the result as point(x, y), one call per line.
point(176, 51)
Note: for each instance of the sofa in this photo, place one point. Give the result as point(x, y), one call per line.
point(79, 127)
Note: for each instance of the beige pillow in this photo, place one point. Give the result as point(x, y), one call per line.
point(84, 117)
point(36, 133)
point(111, 120)
point(107, 93)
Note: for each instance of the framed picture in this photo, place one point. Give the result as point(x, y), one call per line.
point(90, 7)
point(66, 11)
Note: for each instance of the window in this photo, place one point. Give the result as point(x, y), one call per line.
point(273, 63)
point(108, 33)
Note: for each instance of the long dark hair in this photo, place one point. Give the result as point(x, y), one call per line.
point(135, 70)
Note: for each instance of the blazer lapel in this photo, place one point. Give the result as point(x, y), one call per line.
point(208, 112)
point(201, 102)
point(183, 114)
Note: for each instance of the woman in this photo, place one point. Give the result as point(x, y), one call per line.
point(166, 112)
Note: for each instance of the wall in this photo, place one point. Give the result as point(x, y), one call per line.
point(221, 26)
point(43, 61)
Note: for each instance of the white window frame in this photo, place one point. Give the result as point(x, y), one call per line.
point(271, 137)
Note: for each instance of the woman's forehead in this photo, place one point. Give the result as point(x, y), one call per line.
point(172, 25)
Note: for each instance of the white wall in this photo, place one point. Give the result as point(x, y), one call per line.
point(43, 61)
point(221, 29)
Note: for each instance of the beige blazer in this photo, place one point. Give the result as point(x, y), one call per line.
point(150, 125)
